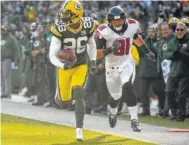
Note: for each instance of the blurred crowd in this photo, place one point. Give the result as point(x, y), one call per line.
point(25, 40)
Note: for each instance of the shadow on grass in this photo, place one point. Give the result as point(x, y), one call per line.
point(97, 141)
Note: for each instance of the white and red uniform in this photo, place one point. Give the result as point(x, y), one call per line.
point(120, 65)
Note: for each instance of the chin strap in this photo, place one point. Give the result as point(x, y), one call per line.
point(118, 28)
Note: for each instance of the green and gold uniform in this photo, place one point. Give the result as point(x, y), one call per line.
point(75, 39)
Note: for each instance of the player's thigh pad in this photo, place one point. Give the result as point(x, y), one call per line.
point(64, 84)
point(127, 72)
point(113, 81)
point(79, 76)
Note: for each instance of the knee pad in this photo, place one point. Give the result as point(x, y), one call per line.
point(129, 96)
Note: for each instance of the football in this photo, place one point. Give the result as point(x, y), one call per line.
point(66, 54)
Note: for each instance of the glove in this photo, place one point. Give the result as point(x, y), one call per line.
point(68, 64)
point(176, 54)
point(93, 68)
point(115, 46)
point(151, 56)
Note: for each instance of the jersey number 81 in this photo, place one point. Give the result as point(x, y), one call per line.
point(124, 47)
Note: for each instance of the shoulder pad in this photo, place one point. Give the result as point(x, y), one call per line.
point(102, 27)
point(90, 24)
point(103, 30)
point(84, 19)
point(55, 31)
point(132, 21)
point(134, 24)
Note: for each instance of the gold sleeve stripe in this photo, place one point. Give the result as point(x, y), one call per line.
point(54, 31)
point(94, 27)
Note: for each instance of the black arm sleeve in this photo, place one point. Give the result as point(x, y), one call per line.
point(135, 36)
point(100, 43)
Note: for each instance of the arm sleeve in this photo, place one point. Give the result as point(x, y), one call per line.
point(55, 47)
point(100, 41)
point(92, 52)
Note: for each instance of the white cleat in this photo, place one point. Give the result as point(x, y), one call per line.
point(79, 134)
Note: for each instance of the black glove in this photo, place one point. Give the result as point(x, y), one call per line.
point(151, 56)
point(93, 68)
point(69, 64)
point(177, 54)
point(115, 46)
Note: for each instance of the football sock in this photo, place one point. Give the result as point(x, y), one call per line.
point(113, 110)
point(79, 106)
point(133, 112)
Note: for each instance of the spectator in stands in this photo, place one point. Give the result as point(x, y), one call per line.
point(149, 76)
point(24, 64)
point(9, 54)
point(186, 22)
point(173, 23)
point(38, 52)
point(51, 70)
point(178, 52)
point(163, 65)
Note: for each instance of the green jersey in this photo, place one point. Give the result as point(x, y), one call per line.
point(75, 39)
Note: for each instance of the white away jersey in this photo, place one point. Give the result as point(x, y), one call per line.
point(124, 53)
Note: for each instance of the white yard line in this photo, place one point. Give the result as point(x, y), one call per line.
point(150, 133)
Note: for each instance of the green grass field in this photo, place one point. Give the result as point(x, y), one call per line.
point(20, 131)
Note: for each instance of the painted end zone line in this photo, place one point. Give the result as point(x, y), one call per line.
point(177, 130)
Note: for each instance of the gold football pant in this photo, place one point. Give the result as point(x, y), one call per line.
point(68, 79)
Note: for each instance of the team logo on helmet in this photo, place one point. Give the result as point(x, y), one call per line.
point(78, 6)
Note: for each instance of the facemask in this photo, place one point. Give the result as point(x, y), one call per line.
point(118, 28)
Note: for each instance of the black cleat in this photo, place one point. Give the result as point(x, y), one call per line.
point(145, 114)
point(6, 96)
point(173, 117)
point(37, 103)
point(112, 120)
point(180, 118)
point(135, 125)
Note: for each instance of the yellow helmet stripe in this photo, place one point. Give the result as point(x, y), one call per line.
point(54, 31)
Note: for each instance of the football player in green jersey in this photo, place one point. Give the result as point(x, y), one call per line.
point(73, 31)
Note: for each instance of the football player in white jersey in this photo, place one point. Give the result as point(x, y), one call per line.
point(114, 41)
